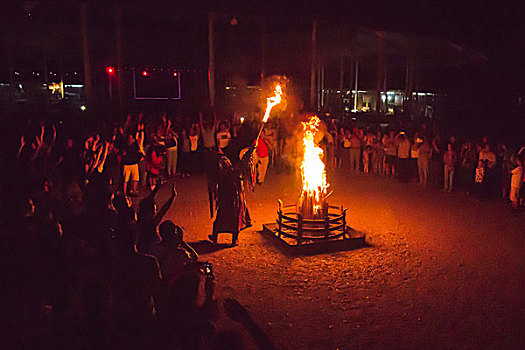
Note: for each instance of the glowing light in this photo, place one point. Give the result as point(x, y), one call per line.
point(242, 120)
point(312, 168)
point(145, 73)
point(110, 70)
point(82, 108)
point(272, 101)
point(175, 74)
point(57, 88)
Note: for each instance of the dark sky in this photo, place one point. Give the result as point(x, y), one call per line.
point(174, 34)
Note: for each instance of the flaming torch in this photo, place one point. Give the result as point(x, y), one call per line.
point(247, 155)
point(312, 201)
point(271, 102)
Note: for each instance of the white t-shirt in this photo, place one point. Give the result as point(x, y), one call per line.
point(489, 157)
point(223, 139)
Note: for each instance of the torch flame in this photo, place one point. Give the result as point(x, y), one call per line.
point(312, 168)
point(272, 101)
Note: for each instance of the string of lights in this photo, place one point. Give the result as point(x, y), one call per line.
point(109, 70)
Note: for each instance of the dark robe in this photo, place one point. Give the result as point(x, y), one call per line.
point(232, 213)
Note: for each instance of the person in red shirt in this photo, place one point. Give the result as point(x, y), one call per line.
point(153, 163)
point(263, 157)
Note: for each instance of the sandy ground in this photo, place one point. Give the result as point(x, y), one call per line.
point(443, 271)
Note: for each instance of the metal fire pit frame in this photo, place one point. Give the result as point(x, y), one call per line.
point(300, 236)
point(291, 224)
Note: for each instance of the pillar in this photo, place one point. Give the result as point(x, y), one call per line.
point(211, 61)
point(313, 58)
point(88, 88)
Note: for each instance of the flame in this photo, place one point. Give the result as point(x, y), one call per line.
point(312, 168)
point(272, 101)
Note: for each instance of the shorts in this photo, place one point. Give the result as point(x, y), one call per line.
point(391, 160)
point(131, 171)
point(514, 194)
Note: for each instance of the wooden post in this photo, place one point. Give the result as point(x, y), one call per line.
point(61, 72)
point(326, 227)
point(343, 214)
point(385, 84)
point(118, 34)
point(341, 83)
point(279, 218)
point(211, 61)
point(356, 80)
point(322, 84)
point(88, 88)
point(341, 74)
point(409, 78)
point(299, 229)
point(313, 58)
point(263, 51)
point(417, 66)
point(381, 37)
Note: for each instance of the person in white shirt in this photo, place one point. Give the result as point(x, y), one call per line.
point(390, 145)
point(208, 132)
point(223, 137)
point(488, 156)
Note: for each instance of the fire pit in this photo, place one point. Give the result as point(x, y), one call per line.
point(329, 223)
point(312, 223)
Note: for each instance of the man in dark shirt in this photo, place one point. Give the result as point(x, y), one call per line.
point(131, 157)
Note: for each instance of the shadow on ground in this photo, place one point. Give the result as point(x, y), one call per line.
point(204, 247)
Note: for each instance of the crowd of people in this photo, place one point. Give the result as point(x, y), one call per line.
point(90, 260)
point(419, 155)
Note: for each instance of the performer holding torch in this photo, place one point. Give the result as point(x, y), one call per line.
point(232, 214)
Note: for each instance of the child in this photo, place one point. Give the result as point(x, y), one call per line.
point(479, 178)
point(515, 182)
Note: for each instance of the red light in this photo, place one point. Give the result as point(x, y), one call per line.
point(175, 74)
point(145, 73)
point(110, 70)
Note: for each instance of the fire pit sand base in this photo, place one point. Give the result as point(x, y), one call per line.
point(353, 240)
